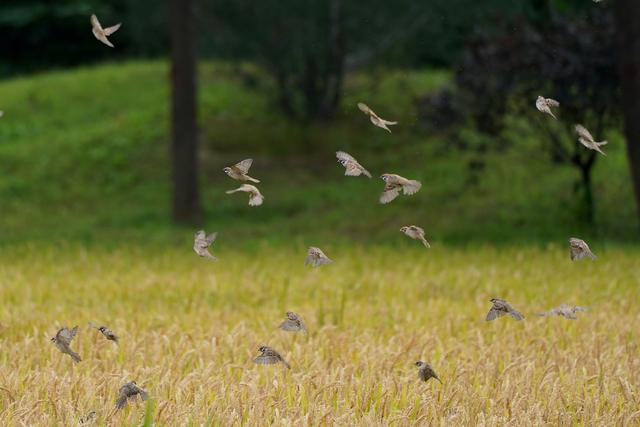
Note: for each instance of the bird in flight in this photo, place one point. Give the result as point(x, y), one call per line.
point(394, 184)
point(102, 33)
point(293, 323)
point(426, 372)
point(255, 197)
point(585, 138)
point(375, 119)
point(108, 333)
point(544, 105)
point(315, 257)
point(202, 242)
point(564, 310)
point(579, 249)
point(415, 233)
point(351, 165)
point(500, 307)
point(129, 391)
point(240, 170)
point(269, 356)
point(63, 339)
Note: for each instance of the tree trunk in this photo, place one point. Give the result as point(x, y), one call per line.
point(628, 43)
point(184, 147)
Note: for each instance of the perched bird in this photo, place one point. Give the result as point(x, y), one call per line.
point(544, 105)
point(426, 372)
point(579, 249)
point(269, 356)
point(240, 170)
point(202, 242)
point(293, 323)
point(564, 310)
point(500, 308)
point(394, 184)
point(129, 391)
point(63, 339)
point(108, 333)
point(415, 233)
point(102, 33)
point(88, 419)
point(375, 119)
point(351, 165)
point(585, 138)
point(255, 197)
point(316, 257)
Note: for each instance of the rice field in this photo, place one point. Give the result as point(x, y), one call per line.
point(189, 329)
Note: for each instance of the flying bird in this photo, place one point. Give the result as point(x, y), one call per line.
point(351, 165)
point(129, 391)
point(315, 257)
point(579, 249)
point(202, 242)
point(394, 184)
point(255, 197)
point(88, 419)
point(426, 372)
point(269, 356)
point(500, 308)
point(415, 233)
point(63, 339)
point(108, 333)
point(293, 323)
point(585, 138)
point(375, 119)
point(102, 33)
point(564, 310)
point(544, 105)
point(240, 170)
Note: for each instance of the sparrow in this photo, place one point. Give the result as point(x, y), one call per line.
point(269, 356)
point(415, 233)
point(544, 105)
point(202, 242)
point(255, 197)
point(394, 183)
point(316, 257)
point(63, 339)
point(102, 33)
point(240, 170)
point(375, 119)
point(351, 165)
point(564, 310)
point(129, 391)
point(500, 308)
point(293, 323)
point(108, 333)
point(585, 138)
point(426, 372)
point(88, 419)
point(579, 249)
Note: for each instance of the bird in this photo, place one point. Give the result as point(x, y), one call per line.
point(579, 249)
point(585, 138)
point(102, 33)
point(293, 323)
point(63, 339)
point(394, 184)
point(240, 170)
point(415, 233)
point(129, 391)
point(426, 372)
point(500, 308)
point(202, 242)
point(255, 197)
point(269, 356)
point(544, 105)
point(564, 310)
point(375, 119)
point(108, 333)
point(351, 165)
point(315, 257)
point(87, 419)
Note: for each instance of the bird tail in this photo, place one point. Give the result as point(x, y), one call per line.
point(388, 123)
point(516, 315)
point(425, 243)
point(366, 173)
point(75, 356)
point(284, 362)
point(411, 187)
point(439, 380)
point(592, 255)
point(121, 402)
point(552, 115)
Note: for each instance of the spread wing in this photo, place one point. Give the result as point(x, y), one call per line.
point(417, 229)
point(552, 102)
point(66, 335)
point(494, 314)
point(341, 155)
point(389, 194)
point(265, 359)
point(352, 169)
point(110, 30)
point(583, 133)
point(94, 22)
point(244, 165)
point(211, 237)
point(365, 108)
point(290, 325)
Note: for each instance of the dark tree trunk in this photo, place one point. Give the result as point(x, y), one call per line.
point(184, 146)
point(628, 39)
point(585, 162)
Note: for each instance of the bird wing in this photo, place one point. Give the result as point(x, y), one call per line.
point(243, 166)
point(583, 133)
point(290, 325)
point(256, 198)
point(110, 30)
point(352, 169)
point(389, 194)
point(66, 335)
point(211, 238)
point(94, 22)
point(266, 359)
point(341, 155)
point(552, 102)
point(494, 314)
point(365, 108)
point(417, 229)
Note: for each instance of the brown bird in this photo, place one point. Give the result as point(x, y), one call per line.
point(351, 165)
point(579, 249)
point(129, 391)
point(564, 310)
point(293, 323)
point(63, 339)
point(426, 372)
point(240, 170)
point(394, 184)
point(585, 138)
point(415, 233)
point(315, 257)
point(255, 197)
point(500, 308)
point(88, 419)
point(202, 242)
point(108, 333)
point(269, 356)
point(375, 119)
point(102, 33)
point(544, 105)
